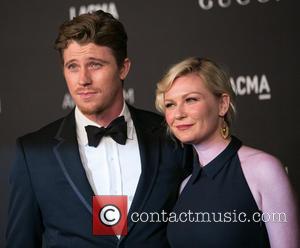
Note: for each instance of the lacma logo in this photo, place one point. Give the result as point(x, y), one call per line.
point(106, 7)
point(209, 4)
point(247, 85)
point(68, 102)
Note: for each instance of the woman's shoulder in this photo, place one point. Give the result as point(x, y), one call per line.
point(183, 184)
point(263, 166)
point(258, 159)
point(273, 193)
point(265, 175)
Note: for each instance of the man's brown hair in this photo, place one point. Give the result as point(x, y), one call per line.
point(100, 28)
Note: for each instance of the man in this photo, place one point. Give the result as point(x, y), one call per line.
point(59, 168)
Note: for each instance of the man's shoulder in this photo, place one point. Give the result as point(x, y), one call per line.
point(48, 131)
point(150, 118)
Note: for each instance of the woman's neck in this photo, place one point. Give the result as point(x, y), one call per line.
point(209, 149)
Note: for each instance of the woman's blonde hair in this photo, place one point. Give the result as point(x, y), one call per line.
point(215, 79)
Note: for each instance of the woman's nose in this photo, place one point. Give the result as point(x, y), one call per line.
point(180, 112)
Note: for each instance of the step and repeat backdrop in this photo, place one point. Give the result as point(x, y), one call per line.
point(255, 40)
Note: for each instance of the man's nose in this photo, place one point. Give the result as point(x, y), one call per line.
point(84, 77)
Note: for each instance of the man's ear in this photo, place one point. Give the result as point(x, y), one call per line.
point(125, 68)
point(224, 104)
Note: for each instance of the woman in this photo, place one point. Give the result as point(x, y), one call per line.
point(237, 196)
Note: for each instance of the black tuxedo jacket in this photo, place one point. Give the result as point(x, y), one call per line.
point(51, 197)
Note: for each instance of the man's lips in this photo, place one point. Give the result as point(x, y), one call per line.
point(183, 127)
point(86, 94)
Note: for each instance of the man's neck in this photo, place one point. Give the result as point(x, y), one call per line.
point(106, 117)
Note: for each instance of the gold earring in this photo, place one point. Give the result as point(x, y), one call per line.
point(224, 130)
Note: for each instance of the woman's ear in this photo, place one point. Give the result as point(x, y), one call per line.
point(224, 104)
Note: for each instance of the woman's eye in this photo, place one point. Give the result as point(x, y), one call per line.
point(168, 105)
point(191, 99)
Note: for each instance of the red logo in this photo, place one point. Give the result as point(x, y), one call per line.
point(110, 215)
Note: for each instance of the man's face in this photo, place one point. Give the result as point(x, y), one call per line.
point(94, 78)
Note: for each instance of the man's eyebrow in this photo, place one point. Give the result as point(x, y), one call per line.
point(98, 59)
point(89, 59)
point(69, 62)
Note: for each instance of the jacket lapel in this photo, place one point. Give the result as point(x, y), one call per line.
point(149, 147)
point(68, 157)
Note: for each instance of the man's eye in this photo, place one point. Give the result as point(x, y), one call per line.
point(95, 65)
point(72, 66)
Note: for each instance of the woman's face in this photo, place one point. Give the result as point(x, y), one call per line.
point(192, 111)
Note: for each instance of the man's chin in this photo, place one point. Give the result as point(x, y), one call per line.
point(90, 111)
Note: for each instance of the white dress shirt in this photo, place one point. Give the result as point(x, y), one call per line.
point(111, 168)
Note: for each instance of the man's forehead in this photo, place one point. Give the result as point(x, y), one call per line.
point(75, 49)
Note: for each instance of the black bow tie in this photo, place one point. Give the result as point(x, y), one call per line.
point(117, 129)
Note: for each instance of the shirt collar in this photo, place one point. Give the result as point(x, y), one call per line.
point(216, 165)
point(82, 121)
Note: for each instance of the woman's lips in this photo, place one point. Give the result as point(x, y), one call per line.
point(183, 127)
